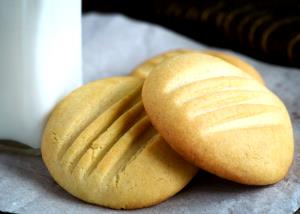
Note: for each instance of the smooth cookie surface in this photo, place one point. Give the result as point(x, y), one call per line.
point(219, 118)
point(100, 146)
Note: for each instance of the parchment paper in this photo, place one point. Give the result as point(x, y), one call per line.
point(113, 45)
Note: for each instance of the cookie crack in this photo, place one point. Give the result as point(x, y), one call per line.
point(128, 148)
point(85, 140)
point(109, 138)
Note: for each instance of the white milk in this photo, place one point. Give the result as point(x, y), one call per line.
point(40, 62)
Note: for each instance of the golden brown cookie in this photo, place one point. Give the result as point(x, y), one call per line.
point(143, 70)
point(219, 118)
point(100, 146)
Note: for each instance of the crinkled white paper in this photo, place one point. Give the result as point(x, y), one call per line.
point(113, 45)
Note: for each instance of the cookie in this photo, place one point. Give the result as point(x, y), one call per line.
point(100, 146)
point(220, 119)
point(143, 70)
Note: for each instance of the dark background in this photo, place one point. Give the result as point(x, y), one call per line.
point(264, 29)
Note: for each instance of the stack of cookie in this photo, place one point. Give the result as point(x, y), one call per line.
point(132, 142)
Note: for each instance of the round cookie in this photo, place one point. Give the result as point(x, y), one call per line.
point(220, 118)
point(100, 146)
point(143, 70)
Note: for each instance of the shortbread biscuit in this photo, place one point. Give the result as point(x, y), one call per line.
point(100, 146)
point(219, 118)
point(143, 70)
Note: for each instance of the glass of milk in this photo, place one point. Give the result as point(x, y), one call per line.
point(40, 62)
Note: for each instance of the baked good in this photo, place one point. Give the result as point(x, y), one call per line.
point(100, 146)
point(143, 70)
point(220, 119)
